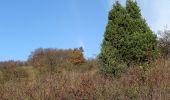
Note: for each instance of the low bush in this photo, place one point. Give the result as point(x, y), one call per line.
point(17, 74)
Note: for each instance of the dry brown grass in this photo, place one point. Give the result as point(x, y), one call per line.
point(149, 82)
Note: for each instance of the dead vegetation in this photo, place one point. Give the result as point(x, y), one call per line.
point(147, 82)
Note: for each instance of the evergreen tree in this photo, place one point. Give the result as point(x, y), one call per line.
point(113, 38)
point(127, 39)
point(140, 41)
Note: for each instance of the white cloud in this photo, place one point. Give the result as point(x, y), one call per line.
point(162, 11)
point(156, 12)
point(81, 44)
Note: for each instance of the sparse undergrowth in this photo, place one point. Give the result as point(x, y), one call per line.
point(148, 82)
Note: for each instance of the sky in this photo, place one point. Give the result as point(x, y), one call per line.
point(26, 25)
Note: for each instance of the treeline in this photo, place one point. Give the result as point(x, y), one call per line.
point(49, 57)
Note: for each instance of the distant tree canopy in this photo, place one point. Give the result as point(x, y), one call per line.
point(127, 40)
point(11, 64)
point(53, 57)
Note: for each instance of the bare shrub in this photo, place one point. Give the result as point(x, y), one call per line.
point(164, 43)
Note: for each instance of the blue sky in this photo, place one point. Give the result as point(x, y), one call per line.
point(26, 25)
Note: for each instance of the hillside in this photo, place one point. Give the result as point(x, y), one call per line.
point(133, 62)
point(150, 82)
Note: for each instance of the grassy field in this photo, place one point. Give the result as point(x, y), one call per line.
point(85, 82)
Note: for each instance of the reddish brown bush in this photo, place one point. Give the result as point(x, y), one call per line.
point(54, 57)
point(76, 56)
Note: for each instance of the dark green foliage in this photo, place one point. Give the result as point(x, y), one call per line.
point(141, 45)
point(113, 39)
point(132, 9)
point(127, 40)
